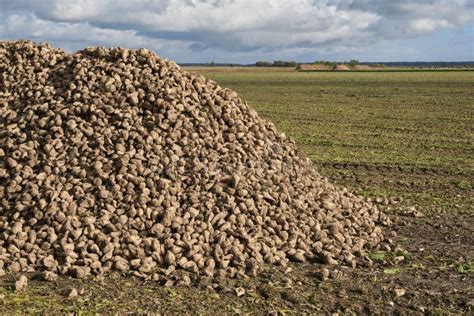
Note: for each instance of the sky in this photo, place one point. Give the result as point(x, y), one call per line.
point(245, 31)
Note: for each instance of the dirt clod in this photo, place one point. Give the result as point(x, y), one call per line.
point(21, 283)
point(72, 293)
point(78, 272)
point(399, 292)
point(48, 276)
point(239, 291)
point(324, 274)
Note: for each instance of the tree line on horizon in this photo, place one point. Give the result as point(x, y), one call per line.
point(276, 63)
point(282, 63)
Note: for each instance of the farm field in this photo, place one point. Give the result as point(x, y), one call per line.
point(402, 135)
point(407, 134)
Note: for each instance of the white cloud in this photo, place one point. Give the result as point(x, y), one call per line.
point(427, 25)
point(74, 36)
point(179, 27)
point(410, 18)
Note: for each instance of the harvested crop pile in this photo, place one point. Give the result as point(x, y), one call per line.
point(115, 159)
point(313, 67)
point(341, 67)
point(363, 67)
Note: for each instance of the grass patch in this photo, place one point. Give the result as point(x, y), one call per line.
point(386, 256)
point(392, 271)
point(379, 256)
point(465, 268)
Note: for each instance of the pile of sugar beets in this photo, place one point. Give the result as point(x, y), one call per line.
point(116, 159)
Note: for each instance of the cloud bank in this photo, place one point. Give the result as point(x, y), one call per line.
point(241, 30)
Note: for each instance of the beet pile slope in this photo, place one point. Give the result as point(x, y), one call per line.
point(115, 159)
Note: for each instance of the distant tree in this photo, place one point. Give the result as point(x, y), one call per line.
point(212, 64)
point(353, 62)
point(281, 63)
point(263, 64)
